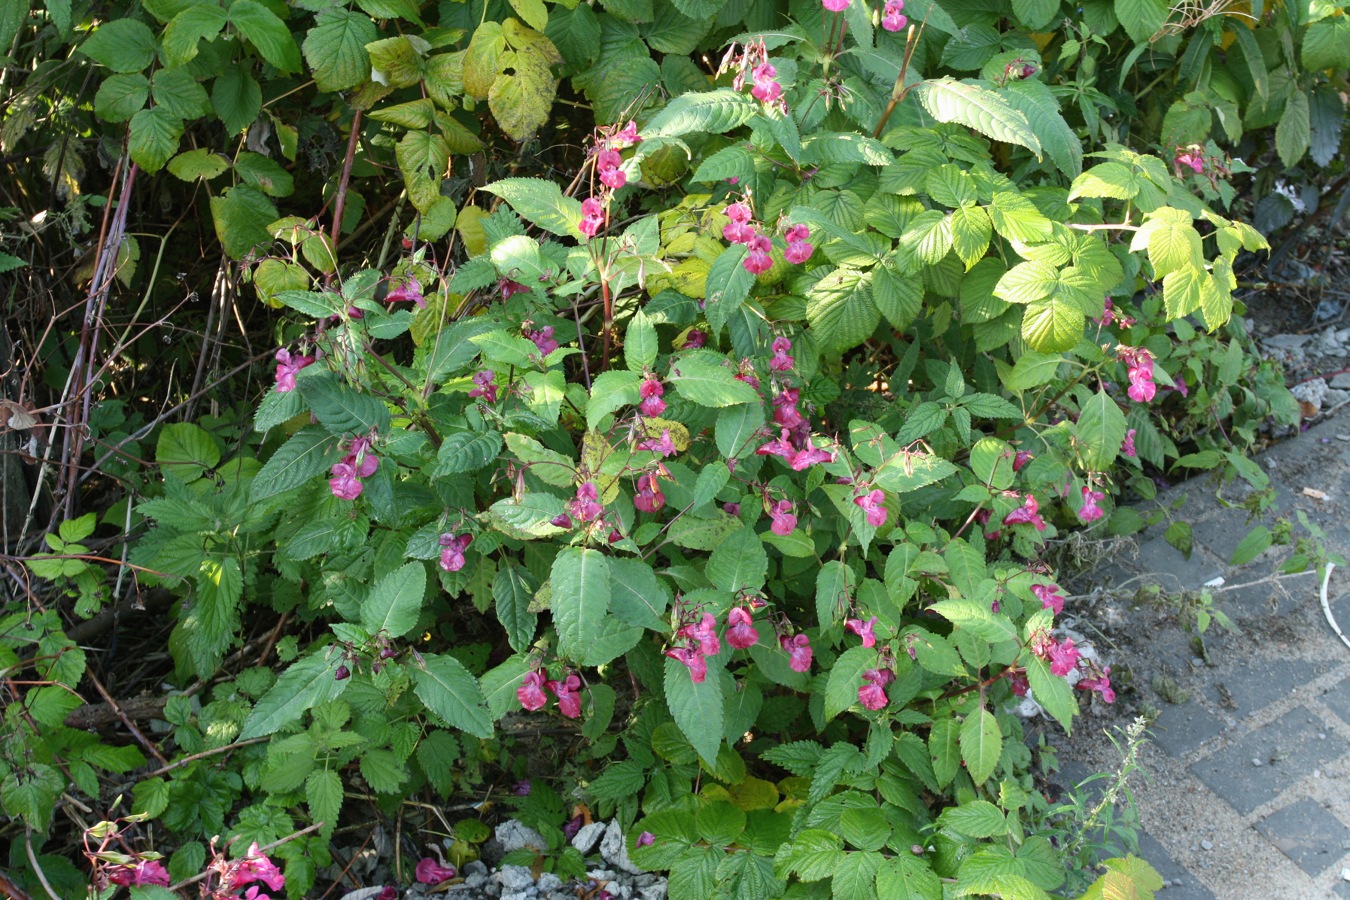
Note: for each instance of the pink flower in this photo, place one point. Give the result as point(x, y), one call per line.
point(531, 692)
point(872, 694)
point(592, 217)
point(569, 701)
point(835, 5)
point(737, 233)
point(649, 497)
point(1140, 364)
point(1181, 388)
point(779, 446)
point(586, 506)
point(758, 259)
point(543, 339)
point(798, 252)
point(1021, 458)
point(784, 521)
point(805, 459)
point(626, 137)
point(698, 666)
point(256, 867)
point(1192, 158)
point(863, 630)
point(704, 633)
point(785, 412)
point(873, 503)
point(1026, 514)
point(781, 362)
point(664, 446)
point(430, 871)
point(1049, 596)
point(1063, 657)
point(695, 339)
point(608, 162)
point(651, 390)
point(798, 649)
point(646, 839)
point(409, 290)
point(344, 484)
point(766, 90)
point(1127, 445)
point(287, 366)
point(1090, 511)
point(509, 288)
point(738, 212)
point(797, 233)
point(891, 19)
point(1101, 685)
point(741, 631)
point(255, 893)
point(452, 551)
point(486, 385)
point(1017, 680)
point(146, 871)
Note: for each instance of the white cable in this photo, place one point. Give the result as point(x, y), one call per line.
point(1326, 607)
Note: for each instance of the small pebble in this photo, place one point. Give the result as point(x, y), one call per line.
point(1345, 874)
point(1256, 762)
point(1321, 735)
point(1206, 845)
point(1197, 661)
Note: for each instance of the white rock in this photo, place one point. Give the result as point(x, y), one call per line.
point(614, 849)
point(549, 882)
point(516, 878)
point(1341, 382)
point(588, 836)
point(1287, 341)
point(513, 835)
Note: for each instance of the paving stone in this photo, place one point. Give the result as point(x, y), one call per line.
point(1338, 699)
point(1256, 683)
point(1220, 532)
point(1307, 834)
point(1183, 727)
point(1174, 571)
point(1260, 601)
point(1290, 749)
point(1181, 884)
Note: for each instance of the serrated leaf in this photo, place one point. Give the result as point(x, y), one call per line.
point(696, 708)
point(184, 452)
point(395, 601)
point(540, 202)
point(711, 112)
point(729, 283)
point(449, 691)
point(707, 383)
point(1051, 692)
point(739, 563)
point(639, 343)
point(305, 684)
point(201, 163)
point(840, 310)
point(422, 158)
point(267, 33)
point(323, 794)
point(580, 583)
point(309, 451)
point(335, 49)
point(841, 690)
point(1141, 18)
point(186, 30)
point(466, 452)
point(154, 137)
point(981, 744)
point(976, 818)
point(1017, 218)
point(512, 590)
point(1326, 44)
point(124, 45)
point(973, 106)
point(1053, 325)
point(236, 97)
point(1293, 134)
point(342, 410)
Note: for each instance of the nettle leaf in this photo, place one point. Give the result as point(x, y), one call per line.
point(711, 112)
point(540, 202)
point(395, 601)
point(451, 692)
point(266, 32)
point(580, 585)
point(1101, 429)
point(696, 708)
point(307, 683)
point(981, 744)
point(970, 104)
point(1326, 44)
point(184, 452)
point(335, 49)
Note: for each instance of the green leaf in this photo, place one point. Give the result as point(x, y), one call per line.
point(1326, 44)
point(739, 563)
point(126, 45)
point(610, 391)
point(512, 590)
point(696, 708)
point(237, 98)
point(905, 877)
point(178, 92)
point(335, 49)
point(729, 283)
point(1108, 179)
point(736, 428)
point(981, 744)
point(971, 232)
point(465, 452)
point(185, 451)
point(976, 818)
point(342, 410)
point(241, 216)
point(1053, 325)
point(639, 343)
point(911, 470)
point(1252, 545)
point(1034, 100)
point(268, 176)
point(323, 794)
point(840, 310)
point(702, 380)
point(1141, 18)
point(187, 29)
point(977, 618)
point(1028, 282)
point(395, 601)
point(841, 690)
point(1017, 218)
point(267, 33)
point(154, 136)
point(637, 596)
point(711, 112)
point(540, 202)
point(944, 750)
point(1052, 692)
point(449, 691)
point(973, 106)
point(522, 99)
point(1293, 134)
point(1101, 429)
point(305, 684)
point(309, 452)
point(813, 855)
point(580, 583)
point(422, 158)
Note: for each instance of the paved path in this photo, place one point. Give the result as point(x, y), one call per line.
point(1247, 785)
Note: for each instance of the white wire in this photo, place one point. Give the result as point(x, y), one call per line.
point(1326, 607)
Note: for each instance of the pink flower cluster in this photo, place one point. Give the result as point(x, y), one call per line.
point(784, 519)
point(358, 463)
point(873, 504)
point(1139, 362)
point(592, 217)
point(892, 20)
point(532, 697)
point(1191, 158)
point(256, 867)
point(452, 550)
point(648, 498)
point(287, 366)
point(1099, 682)
point(799, 248)
point(796, 451)
point(872, 694)
point(586, 506)
point(1127, 445)
point(1090, 511)
point(663, 445)
point(485, 385)
point(1064, 658)
point(699, 641)
point(651, 390)
point(780, 361)
point(140, 873)
point(835, 5)
point(1050, 597)
point(431, 871)
point(608, 163)
point(1111, 315)
point(409, 290)
point(508, 288)
point(798, 649)
point(742, 230)
point(543, 339)
point(864, 630)
point(1026, 514)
